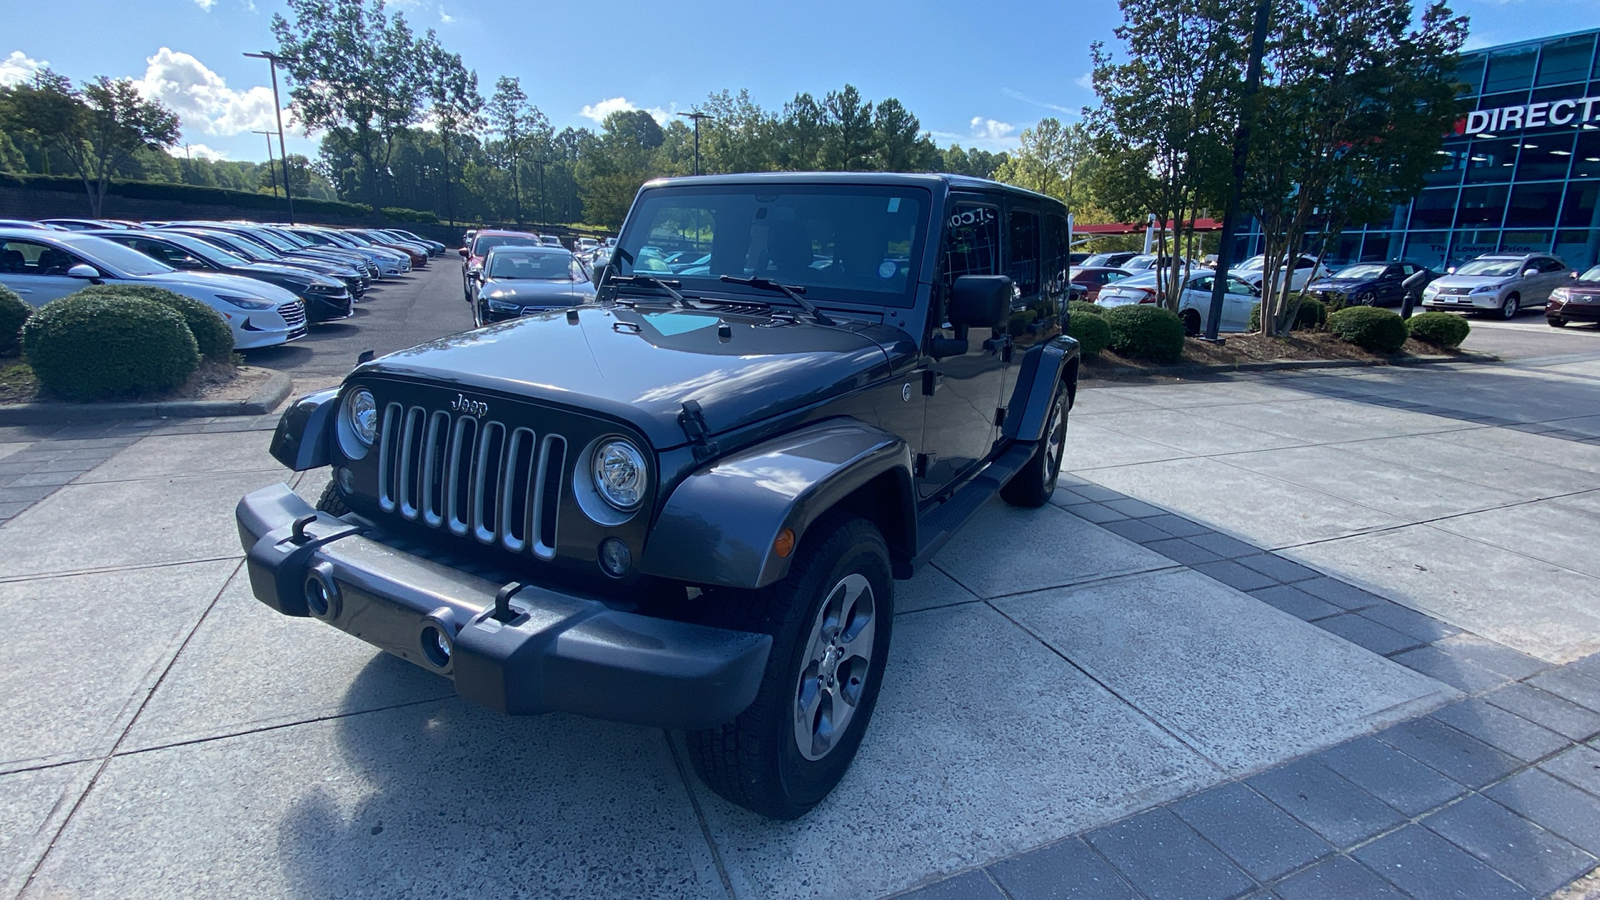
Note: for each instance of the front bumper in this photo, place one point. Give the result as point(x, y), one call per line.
point(556, 652)
point(1463, 301)
point(325, 308)
point(1572, 311)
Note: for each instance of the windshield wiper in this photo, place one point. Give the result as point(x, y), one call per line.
point(669, 286)
point(793, 292)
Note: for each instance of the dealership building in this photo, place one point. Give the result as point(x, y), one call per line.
point(1521, 173)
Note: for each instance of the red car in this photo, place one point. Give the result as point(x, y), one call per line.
point(1093, 278)
point(1576, 301)
point(479, 246)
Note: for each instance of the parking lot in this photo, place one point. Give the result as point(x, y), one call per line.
point(1312, 633)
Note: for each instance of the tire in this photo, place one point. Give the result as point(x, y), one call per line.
point(1366, 298)
point(1556, 323)
point(757, 760)
point(1191, 323)
point(331, 502)
point(1031, 488)
point(1509, 309)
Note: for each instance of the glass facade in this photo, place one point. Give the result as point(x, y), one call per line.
point(1521, 173)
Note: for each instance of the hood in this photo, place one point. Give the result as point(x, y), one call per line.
point(640, 365)
point(215, 282)
point(284, 273)
point(538, 293)
point(1445, 281)
point(1338, 283)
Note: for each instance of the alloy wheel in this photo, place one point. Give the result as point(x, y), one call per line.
point(1509, 310)
point(833, 675)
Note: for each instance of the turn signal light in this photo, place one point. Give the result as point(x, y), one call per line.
point(784, 544)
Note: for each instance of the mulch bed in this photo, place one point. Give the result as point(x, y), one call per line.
point(1256, 348)
point(212, 381)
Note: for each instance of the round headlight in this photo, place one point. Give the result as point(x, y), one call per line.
point(620, 474)
point(361, 412)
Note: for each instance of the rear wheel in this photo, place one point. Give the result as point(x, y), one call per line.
point(1191, 322)
point(1556, 323)
point(830, 621)
point(1033, 486)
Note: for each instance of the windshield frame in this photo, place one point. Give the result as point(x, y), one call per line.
point(574, 271)
point(1344, 274)
point(710, 284)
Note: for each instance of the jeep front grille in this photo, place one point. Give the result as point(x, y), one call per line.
point(479, 478)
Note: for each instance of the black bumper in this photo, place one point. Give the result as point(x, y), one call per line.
point(321, 308)
point(556, 652)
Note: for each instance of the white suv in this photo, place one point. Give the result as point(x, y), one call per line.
point(46, 265)
point(1497, 283)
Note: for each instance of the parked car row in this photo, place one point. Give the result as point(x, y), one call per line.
point(267, 281)
point(506, 274)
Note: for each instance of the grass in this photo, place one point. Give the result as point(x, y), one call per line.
point(17, 384)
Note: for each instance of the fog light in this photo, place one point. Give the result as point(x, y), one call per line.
point(322, 595)
point(615, 558)
point(437, 646)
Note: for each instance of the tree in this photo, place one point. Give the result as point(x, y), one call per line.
point(457, 108)
point(1369, 99)
point(901, 145)
point(98, 127)
point(357, 74)
point(1052, 159)
point(848, 135)
point(614, 166)
point(739, 137)
point(1163, 128)
point(522, 128)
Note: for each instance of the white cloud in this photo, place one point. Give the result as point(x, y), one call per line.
point(1085, 81)
point(205, 4)
point(197, 151)
point(597, 112)
point(202, 99)
point(445, 17)
point(991, 129)
point(1018, 95)
point(18, 68)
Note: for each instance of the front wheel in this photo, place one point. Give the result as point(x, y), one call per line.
point(830, 621)
point(1556, 323)
point(1191, 323)
point(1366, 298)
point(1509, 309)
point(1033, 486)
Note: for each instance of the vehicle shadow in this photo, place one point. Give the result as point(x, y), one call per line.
point(442, 798)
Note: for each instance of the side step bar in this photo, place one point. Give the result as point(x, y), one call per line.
point(941, 523)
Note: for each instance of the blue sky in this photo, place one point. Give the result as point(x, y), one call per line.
point(976, 73)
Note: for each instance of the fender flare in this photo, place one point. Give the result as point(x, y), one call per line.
point(719, 524)
point(305, 431)
point(1043, 367)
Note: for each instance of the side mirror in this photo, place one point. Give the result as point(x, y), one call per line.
point(463, 252)
point(1573, 274)
point(1451, 270)
point(983, 301)
point(1530, 271)
point(83, 270)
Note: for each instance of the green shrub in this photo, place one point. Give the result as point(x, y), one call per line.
point(1370, 328)
point(1311, 315)
point(1146, 332)
point(1440, 329)
point(89, 347)
point(211, 331)
point(14, 311)
point(401, 214)
point(1081, 306)
point(1091, 332)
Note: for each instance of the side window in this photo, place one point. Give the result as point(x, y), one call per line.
point(21, 257)
point(1022, 251)
point(1202, 284)
point(972, 242)
point(1552, 265)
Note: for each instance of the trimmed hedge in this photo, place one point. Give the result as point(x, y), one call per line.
point(1311, 315)
point(211, 332)
point(1370, 328)
point(1091, 332)
point(1439, 329)
point(14, 312)
point(1146, 332)
point(188, 193)
point(1082, 306)
point(88, 347)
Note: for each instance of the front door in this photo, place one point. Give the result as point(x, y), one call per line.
point(965, 375)
point(37, 272)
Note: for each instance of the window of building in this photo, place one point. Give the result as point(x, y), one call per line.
point(1586, 155)
point(1534, 206)
point(1381, 246)
point(1482, 207)
point(1470, 74)
point(1566, 60)
point(1427, 248)
point(1545, 156)
point(1511, 69)
point(1490, 161)
point(1582, 209)
point(1467, 245)
point(1434, 209)
point(1579, 249)
point(1452, 160)
point(1525, 242)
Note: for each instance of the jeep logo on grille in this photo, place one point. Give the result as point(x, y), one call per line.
point(471, 407)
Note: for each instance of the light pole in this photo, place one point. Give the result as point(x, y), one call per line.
point(273, 60)
point(272, 176)
point(697, 115)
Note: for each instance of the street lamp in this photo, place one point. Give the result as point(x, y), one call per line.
point(273, 61)
point(272, 176)
point(697, 115)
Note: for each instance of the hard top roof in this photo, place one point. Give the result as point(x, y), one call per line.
point(896, 179)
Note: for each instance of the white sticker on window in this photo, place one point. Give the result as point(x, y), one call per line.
point(894, 204)
point(887, 269)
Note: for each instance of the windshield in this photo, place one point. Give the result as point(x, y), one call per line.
point(1590, 275)
point(1492, 268)
point(293, 240)
point(260, 236)
point(488, 242)
point(1367, 270)
point(208, 252)
point(851, 243)
point(516, 264)
point(1101, 260)
point(113, 255)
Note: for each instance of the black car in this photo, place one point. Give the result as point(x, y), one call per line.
point(687, 504)
point(1369, 284)
point(326, 298)
point(521, 280)
point(258, 252)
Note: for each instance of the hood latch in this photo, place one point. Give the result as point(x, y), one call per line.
point(693, 423)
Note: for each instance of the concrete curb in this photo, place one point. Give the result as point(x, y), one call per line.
point(1296, 364)
point(273, 392)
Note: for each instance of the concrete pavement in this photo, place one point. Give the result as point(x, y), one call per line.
point(1125, 691)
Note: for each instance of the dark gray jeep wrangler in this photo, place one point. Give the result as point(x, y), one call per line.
point(686, 505)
